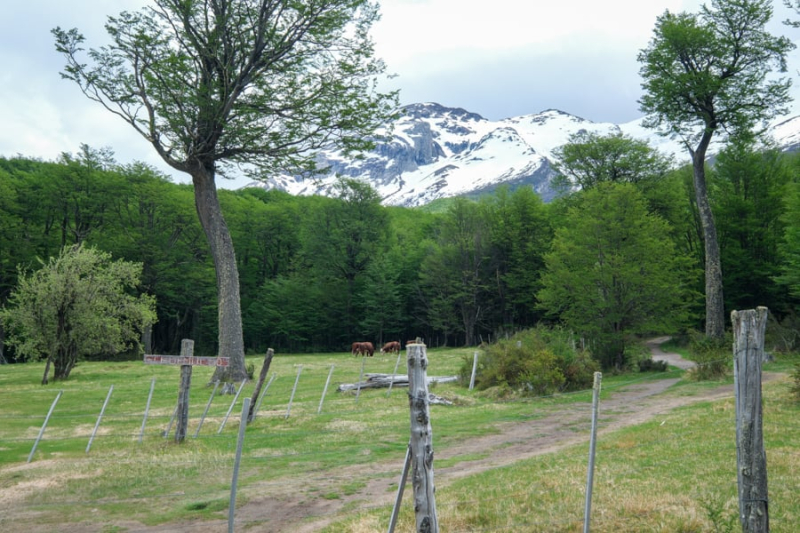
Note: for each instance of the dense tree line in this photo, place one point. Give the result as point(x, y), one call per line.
point(317, 273)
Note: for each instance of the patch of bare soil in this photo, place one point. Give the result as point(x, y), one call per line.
point(298, 504)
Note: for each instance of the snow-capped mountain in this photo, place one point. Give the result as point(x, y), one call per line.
point(438, 152)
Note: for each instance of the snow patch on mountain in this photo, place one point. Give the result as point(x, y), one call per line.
point(439, 152)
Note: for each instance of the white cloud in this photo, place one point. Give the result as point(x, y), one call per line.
point(410, 31)
point(499, 58)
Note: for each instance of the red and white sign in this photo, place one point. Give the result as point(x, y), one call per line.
point(185, 360)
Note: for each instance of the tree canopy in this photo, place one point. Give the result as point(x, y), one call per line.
point(707, 72)
point(589, 159)
point(614, 272)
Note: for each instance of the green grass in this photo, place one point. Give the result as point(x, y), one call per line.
point(676, 473)
point(157, 481)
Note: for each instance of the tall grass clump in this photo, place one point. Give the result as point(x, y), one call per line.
point(533, 362)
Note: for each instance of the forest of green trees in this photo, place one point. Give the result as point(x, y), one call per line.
point(318, 273)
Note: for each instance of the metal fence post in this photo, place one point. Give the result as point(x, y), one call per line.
point(235, 479)
point(592, 447)
point(147, 409)
point(99, 418)
point(46, 419)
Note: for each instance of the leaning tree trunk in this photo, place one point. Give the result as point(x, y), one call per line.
point(715, 306)
point(231, 340)
point(45, 379)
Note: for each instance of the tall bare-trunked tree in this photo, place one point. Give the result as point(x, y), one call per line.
point(256, 85)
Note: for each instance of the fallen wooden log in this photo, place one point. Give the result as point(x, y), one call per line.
point(433, 399)
point(377, 381)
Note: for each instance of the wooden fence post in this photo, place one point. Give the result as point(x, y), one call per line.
point(261, 377)
point(187, 350)
point(421, 440)
point(751, 459)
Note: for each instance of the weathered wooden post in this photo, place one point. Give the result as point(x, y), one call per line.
point(261, 377)
point(751, 459)
point(185, 360)
point(421, 440)
point(187, 350)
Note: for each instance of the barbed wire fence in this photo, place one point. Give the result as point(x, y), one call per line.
point(79, 424)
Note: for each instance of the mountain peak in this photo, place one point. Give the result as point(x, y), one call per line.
point(432, 110)
point(438, 152)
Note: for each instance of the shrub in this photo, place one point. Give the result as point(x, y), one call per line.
point(713, 357)
point(537, 361)
point(649, 365)
point(783, 335)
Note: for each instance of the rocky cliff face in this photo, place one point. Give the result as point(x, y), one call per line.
point(437, 151)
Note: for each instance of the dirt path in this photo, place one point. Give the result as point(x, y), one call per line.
point(297, 505)
point(514, 442)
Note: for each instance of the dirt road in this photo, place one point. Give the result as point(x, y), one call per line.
point(514, 442)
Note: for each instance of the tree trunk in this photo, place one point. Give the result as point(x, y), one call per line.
point(715, 305)
point(65, 360)
point(45, 381)
point(231, 340)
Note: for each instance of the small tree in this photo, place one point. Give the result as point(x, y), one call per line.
point(709, 72)
point(589, 159)
point(613, 272)
point(77, 304)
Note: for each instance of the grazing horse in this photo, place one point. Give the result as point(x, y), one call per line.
point(363, 348)
point(367, 349)
point(391, 347)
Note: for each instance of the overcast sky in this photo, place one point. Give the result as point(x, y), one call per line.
point(499, 59)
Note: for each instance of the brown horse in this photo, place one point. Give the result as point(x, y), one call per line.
point(391, 347)
point(363, 348)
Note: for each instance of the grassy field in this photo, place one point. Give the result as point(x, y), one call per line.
point(674, 473)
